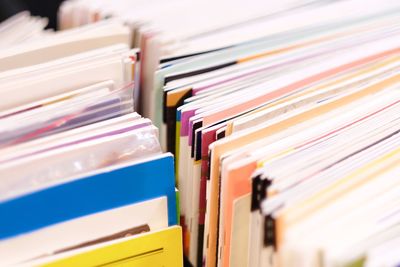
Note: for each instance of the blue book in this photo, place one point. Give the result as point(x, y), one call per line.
point(107, 189)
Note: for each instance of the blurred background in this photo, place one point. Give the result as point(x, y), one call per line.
point(43, 8)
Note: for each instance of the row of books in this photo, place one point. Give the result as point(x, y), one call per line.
point(280, 121)
point(282, 118)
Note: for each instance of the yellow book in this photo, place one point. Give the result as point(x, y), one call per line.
point(160, 248)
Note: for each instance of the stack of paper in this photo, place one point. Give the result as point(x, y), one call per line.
point(22, 28)
point(283, 120)
point(84, 181)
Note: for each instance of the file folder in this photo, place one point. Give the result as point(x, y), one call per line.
point(161, 248)
point(86, 195)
